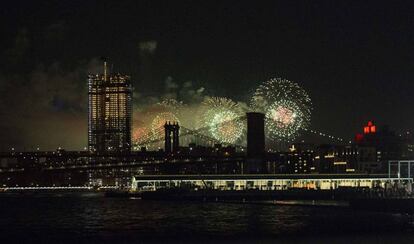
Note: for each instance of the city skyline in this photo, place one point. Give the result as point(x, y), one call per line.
point(355, 67)
point(206, 121)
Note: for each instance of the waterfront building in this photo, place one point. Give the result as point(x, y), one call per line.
point(271, 181)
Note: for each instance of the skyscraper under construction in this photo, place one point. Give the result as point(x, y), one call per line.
point(110, 111)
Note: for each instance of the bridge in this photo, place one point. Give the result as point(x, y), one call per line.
point(203, 156)
point(202, 136)
point(84, 160)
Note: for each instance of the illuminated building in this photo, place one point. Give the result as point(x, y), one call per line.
point(109, 108)
point(336, 159)
point(269, 182)
point(378, 145)
point(292, 162)
point(373, 148)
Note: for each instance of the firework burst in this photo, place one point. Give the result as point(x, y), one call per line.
point(150, 132)
point(222, 118)
point(286, 105)
point(141, 136)
point(157, 124)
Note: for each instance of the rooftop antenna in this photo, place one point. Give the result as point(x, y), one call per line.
point(105, 69)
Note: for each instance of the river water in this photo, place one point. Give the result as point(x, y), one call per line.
point(74, 219)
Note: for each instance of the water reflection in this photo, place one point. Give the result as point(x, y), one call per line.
point(133, 219)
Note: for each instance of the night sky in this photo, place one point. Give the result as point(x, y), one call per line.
point(355, 59)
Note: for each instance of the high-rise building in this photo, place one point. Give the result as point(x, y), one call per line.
point(110, 110)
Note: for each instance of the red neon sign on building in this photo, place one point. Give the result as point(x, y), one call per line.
point(370, 128)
